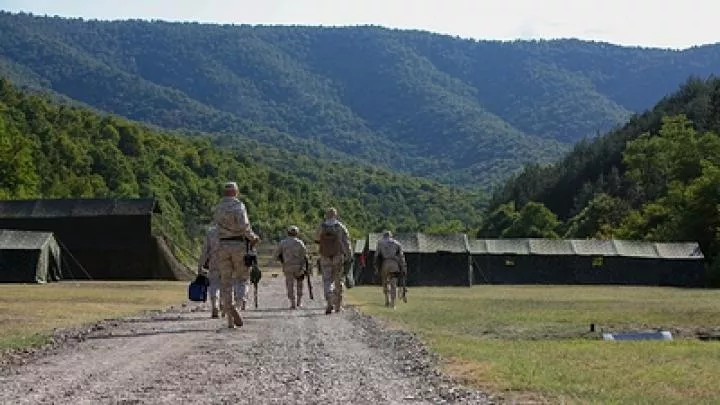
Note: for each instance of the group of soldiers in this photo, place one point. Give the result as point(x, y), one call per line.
point(230, 249)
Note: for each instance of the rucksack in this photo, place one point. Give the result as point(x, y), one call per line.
point(330, 240)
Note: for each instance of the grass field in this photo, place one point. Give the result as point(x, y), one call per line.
point(28, 313)
point(532, 343)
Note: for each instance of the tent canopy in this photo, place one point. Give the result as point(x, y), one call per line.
point(29, 257)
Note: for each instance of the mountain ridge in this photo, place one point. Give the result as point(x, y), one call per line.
point(460, 111)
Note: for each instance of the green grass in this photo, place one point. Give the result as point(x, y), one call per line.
point(30, 312)
point(533, 342)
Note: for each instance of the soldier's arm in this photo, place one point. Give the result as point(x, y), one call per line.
point(347, 250)
point(244, 223)
point(401, 255)
point(317, 234)
point(204, 253)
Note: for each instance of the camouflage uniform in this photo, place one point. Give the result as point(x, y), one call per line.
point(332, 267)
point(208, 260)
point(390, 259)
point(233, 230)
point(294, 254)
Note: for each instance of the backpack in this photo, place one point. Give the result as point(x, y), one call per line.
point(330, 240)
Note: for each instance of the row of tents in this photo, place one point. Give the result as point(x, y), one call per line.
point(47, 240)
point(113, 239)
point(456, 260)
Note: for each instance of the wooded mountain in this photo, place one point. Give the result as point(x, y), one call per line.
point(51, 151)
point(459, 111)
point(656, 178)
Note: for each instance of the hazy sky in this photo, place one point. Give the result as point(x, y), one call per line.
point(669, 24)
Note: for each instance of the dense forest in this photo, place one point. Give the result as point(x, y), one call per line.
point(460, 111)
point(54, 151)
point(656, 178)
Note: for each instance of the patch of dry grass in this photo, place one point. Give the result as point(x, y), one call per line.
point(29, 312)
point(533, 342)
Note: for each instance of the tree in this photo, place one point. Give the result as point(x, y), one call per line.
point(533, 221)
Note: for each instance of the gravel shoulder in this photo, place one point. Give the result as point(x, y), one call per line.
point(279, 356)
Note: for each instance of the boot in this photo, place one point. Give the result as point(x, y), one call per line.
point(328, 309)
point(243, 303)
point(292, 305)
point(298, 304)
point(214, 313)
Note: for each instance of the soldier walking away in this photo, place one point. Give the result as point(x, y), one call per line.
point(234, 231)
point(292, 253)
point(208, 262)
point(390, 260)
point(334, 248)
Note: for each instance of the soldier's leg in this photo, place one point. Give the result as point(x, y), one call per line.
point(242, 289)
point(328, 285)
point(236, 256)
point(290, 287)
point(299, 290)
point(338, 283)
point(393, 289)
point(226, 282)
point(214, 291)
point(385, 280)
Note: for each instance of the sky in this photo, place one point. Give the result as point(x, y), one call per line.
point(647, 23)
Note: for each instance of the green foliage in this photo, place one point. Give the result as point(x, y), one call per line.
point(459, 111)
point(664, 187)
point(57, 151)
point(498, 221)
point(533, 221)
point(602, 215)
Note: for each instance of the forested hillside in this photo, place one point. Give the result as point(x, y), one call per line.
point(657, 178)
point(460, 111)
point(55, 151)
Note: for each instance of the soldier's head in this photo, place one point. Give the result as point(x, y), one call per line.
point(293, 231)
point(331, 213)
point(387, 234)
point(230, 189)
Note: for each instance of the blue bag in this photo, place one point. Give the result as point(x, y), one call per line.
point(197, 291)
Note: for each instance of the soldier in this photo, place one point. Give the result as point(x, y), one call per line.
point(292, 253)
point(390, 260)
point(234, 232)
point(208, 261)
point(332, 236)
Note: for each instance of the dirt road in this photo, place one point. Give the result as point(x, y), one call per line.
point(278, 357)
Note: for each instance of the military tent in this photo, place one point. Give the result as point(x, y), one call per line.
point(29, 257)
point(551, 261)
point(105, 238)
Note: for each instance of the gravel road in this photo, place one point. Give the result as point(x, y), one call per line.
point(279, 356)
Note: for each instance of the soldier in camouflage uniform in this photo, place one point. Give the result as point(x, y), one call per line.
point(234, 231)
point(293, 254)
point(390, 260)
point(334, 248)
